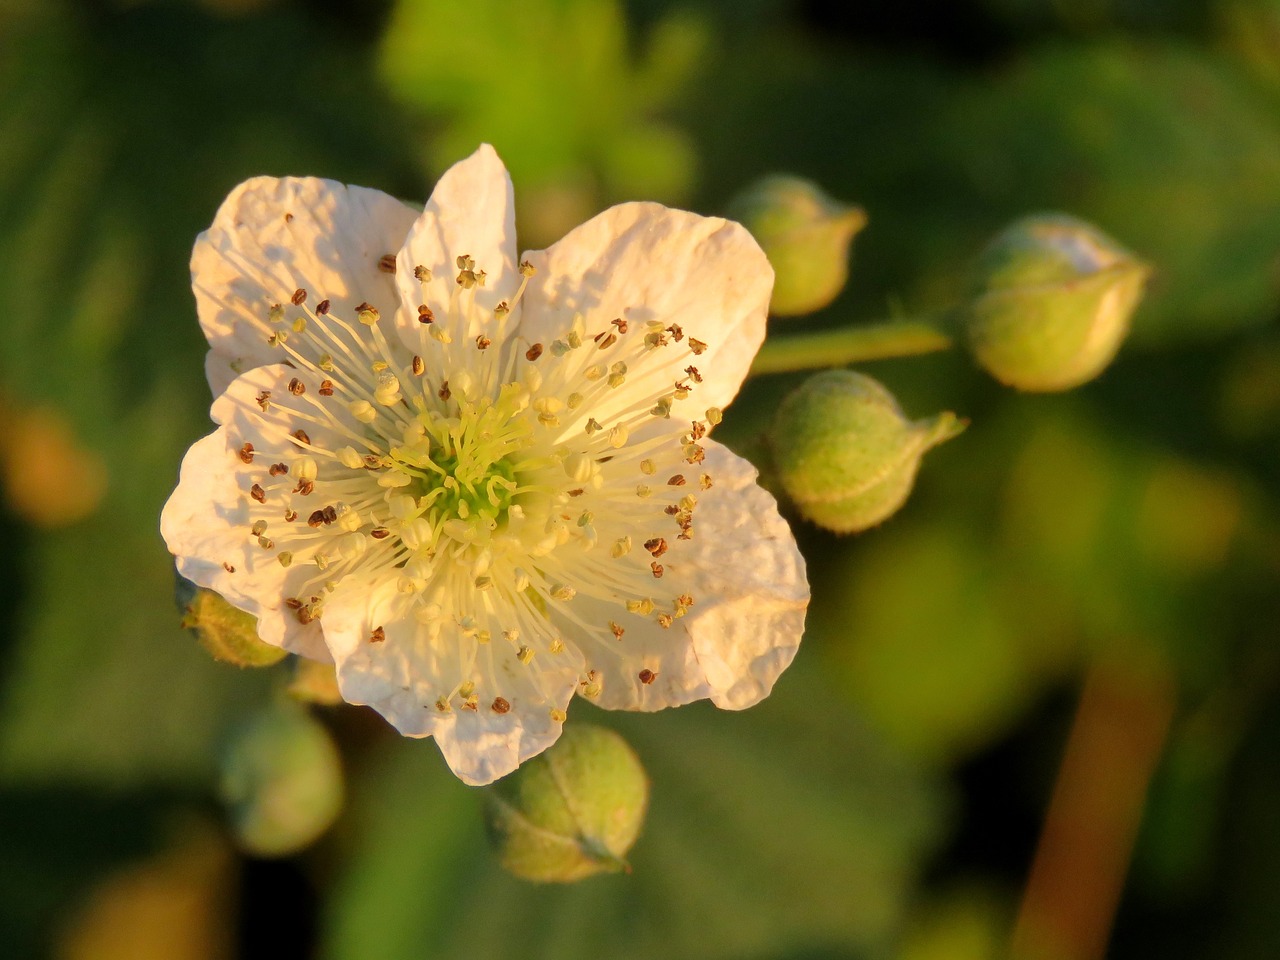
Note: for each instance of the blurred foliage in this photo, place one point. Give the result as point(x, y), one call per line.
point(556, 87)
point(740, 810)
point(859, 811)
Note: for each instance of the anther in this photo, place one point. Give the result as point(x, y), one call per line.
point(620, 324)
point(616, 629)
point(259, 528)
point(378, 635)
point(483, 342)
point(387, 263)
point(322, 308)
point(425, 315)
point(302, 437)
point(258, 493)
point(316, 518)
point(297, 387)
point(693, 373)
point(264, 399)
point(524, 655)
point(246, 453)
point(676, 331)
point(646, 676)
point(499, 705)
point(228, 567)
point(421, 274)
point(697, 346)
point(367, 314)
point(527, 269)
point(665, 620)
point(657, 546)
point(290, 516)
point(533, 353)
point(657, 569)
point(676, 481)
point(285, 558)
point(608, 341)
point(379, 533)
point(326, 388)
point(278, 469)
point(418, 366)
point(304, 488)
point(299, 297)
point(444, 393)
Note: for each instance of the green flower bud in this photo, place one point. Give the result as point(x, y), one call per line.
point(571, 812)
point(806, 236)
point(281, 781)
point(229, 634)
point(846, 454)
point(1050, 303)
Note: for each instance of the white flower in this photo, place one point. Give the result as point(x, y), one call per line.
point(479, 484)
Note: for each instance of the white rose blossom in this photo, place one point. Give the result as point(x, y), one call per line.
point(477, 484)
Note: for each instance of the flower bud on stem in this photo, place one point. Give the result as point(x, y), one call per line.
point(806, 236)
point(571, 812)
point(846, 454)
point(1050, 303)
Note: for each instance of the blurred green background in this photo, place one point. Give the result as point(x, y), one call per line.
point(1078, 605)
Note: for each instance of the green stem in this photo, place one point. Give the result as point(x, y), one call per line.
point(837, 348)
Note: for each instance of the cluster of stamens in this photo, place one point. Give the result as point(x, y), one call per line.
point(510, 490)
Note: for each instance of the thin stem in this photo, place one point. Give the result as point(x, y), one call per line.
point(1116, 739)
point(836, 348)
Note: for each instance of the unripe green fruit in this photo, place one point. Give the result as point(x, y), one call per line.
point(846, 454)
point(806, 236)
point(229, 634)
point(1050, 303)
point(281, 781)
point(572, 811)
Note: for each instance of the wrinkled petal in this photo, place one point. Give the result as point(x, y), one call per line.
point(274, 236)
point(207, 519)
point(747, 579)
point(471, 213)
point(643, 262)
point(487, 710)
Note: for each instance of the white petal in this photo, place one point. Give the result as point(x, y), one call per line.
point(642, 262)
point(206, 525)
point(403, 675)
point(471, 213)
point(274, 236)
point(750, 592)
